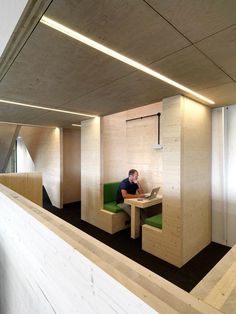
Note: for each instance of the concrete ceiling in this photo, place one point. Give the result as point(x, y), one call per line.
point(192, 42)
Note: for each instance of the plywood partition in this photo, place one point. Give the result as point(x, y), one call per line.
point(90, 170)
point(71, 165)
point(109, 148)
point(28, 185)
point(186, 129)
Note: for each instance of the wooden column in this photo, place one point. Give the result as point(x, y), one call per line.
point(186, 133)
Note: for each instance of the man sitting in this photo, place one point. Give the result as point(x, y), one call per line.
point(129, 188)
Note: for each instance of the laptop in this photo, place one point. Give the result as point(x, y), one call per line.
point(153, 194)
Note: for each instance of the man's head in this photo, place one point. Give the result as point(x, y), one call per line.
point(133, 175)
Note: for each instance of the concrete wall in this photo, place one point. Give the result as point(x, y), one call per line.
point(8, 133)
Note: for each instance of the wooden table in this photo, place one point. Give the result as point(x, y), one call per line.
point(135, 212)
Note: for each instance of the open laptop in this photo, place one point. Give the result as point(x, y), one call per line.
point(153, 194)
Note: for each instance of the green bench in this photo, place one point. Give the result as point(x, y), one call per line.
point(109, 197)
point(155, 221)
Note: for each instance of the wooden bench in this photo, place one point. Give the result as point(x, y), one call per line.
point(117, 218)
point(151, 227)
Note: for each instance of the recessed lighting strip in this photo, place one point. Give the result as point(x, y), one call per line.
point(78, 125)
point(87, 41)
point(45, 108)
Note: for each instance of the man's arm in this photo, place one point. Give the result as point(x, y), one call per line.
point(140, 189)
point(127, 195)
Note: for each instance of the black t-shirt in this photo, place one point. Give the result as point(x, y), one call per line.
point(131, 188)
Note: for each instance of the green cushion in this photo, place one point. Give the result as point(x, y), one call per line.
point(109, 192)
point(112, 207)
point(155, 221)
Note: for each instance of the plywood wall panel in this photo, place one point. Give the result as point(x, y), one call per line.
point(91, 202)
point(129, 145)
point(186, 155)
point(28, 185)
point(196, 177)
point(71, 165)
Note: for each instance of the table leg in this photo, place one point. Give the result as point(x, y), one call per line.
point(135, 222)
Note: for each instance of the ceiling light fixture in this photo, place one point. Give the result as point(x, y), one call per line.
point(78, 125)
point(45, 108)
point(87, 41)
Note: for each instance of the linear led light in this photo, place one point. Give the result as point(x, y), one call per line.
point(78, 125)
point(45, 108)
point(27, 124)
point(87, 41)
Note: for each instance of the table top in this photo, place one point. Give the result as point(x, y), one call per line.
point(145, 202)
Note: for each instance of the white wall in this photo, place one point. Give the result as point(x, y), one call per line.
point(10, 12)
point(45, 148)
point(218, 177)
point(223, 175)
point(24, 160)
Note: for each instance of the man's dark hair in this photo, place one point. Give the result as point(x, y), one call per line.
point(132, 172)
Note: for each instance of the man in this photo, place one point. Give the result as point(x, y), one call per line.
point(129, 188)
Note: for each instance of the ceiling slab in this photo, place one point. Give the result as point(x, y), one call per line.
point(221, 48)
point(132, 91)
point(197, 19)
point(130, 27)
point(53, 69)
point(57, 119)
point(192, 69)
point(17, 114)
point(223, 95)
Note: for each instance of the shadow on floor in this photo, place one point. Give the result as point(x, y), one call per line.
point(185, 277)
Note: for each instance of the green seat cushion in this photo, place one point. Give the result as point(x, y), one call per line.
point(155, 221)
point(109, 191)
point(112, 207)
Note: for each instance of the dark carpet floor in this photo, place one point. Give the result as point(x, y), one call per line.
point(186, 277)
